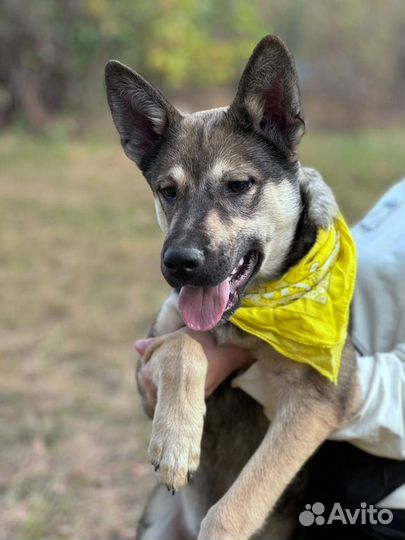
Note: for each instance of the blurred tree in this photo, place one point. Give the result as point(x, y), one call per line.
point(349, 52)
point(52, 48)
point(350, 57)
point(34, 69)
point(202, 43)
point(56, 49)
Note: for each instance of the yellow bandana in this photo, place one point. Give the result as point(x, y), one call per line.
point(304, 315)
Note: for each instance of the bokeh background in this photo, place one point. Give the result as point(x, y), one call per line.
point(79, 247)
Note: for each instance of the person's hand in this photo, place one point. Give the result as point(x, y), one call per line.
point(222, 361)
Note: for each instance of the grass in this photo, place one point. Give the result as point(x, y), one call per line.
point(359, 166)
point(79, 267)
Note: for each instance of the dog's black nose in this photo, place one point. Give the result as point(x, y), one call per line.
point(183, 262)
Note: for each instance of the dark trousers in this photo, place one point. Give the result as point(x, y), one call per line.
point(340, 472)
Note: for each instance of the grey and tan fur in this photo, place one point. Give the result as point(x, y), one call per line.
point(227, 183)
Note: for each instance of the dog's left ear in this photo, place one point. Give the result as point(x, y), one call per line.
point(268, 96)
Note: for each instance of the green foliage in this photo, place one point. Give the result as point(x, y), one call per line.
point(180, 42)
point(201, 43)
point(347, 50)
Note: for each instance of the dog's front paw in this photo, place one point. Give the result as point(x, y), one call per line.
point(174, 448)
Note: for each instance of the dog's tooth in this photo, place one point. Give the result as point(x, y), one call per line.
point(240, 263)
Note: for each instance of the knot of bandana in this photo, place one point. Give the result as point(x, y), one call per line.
point(304, 315)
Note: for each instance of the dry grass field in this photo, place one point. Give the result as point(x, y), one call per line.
point(80, 280)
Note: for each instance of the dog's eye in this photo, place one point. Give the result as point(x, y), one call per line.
point(169, 192)
point(238, 187)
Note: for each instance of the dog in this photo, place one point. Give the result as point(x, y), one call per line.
point(237, 209)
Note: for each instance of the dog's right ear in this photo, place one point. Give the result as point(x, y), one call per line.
point(268, 97)
point(141, 113)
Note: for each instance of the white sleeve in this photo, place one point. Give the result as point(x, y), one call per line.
point(379, 426)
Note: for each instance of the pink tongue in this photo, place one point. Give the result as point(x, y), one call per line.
point(202, 307)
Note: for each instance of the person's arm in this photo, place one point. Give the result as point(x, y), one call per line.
point(379, 426)
point(223, 360)
point(378, 324)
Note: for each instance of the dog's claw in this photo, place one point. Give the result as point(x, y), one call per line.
point(156, 467)
point(170, 489)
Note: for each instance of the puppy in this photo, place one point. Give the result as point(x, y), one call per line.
point(239, 213)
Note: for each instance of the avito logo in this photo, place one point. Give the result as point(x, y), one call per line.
point(365, 514)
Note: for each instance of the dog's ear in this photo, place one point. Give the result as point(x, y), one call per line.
point(268, 96)
point(141, 114)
